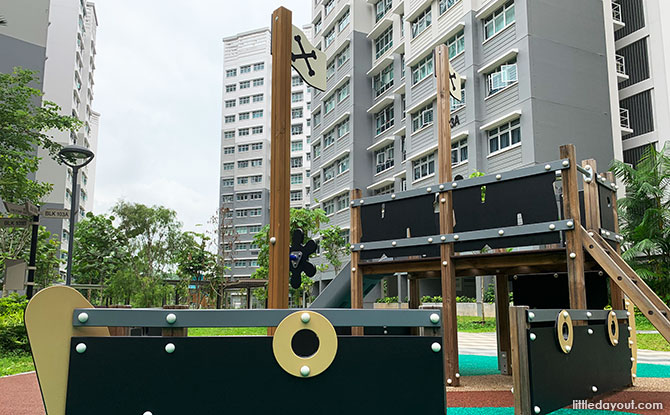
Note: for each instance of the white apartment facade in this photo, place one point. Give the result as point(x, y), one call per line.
point(245, 147)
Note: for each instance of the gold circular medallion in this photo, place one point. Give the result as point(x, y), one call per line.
point(564, 331)
point(613, 328)
point(304, 367)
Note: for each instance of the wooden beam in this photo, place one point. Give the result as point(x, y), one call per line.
point(574, 251)
point(616, 295)
point(356, 272)
point(519, 356)
point(447, 270)
point(282, 28)
point(502, 323)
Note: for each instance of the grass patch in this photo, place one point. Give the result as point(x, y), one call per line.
point(12, 363)
point(227, 331)
point(474, 324)
point(641, 323)
point(652, 342)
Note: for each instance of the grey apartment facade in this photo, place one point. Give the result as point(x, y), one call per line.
point(532, 80)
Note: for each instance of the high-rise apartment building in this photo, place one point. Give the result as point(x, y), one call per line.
point(57, 39)
point(534, 76)
point(245, 146)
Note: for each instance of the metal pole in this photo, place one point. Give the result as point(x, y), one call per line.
point(33, 257)
point(73, 219)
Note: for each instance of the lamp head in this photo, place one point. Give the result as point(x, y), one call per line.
point(75, 156)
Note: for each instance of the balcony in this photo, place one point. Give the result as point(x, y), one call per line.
point(616, 16)
point(621, 68)
point(624, 121)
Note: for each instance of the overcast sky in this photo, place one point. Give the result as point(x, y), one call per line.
point(157, 87)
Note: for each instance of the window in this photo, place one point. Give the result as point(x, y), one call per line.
point(317, 26)
point(241, 263)
point(296, 162)
point(329, 207)
point(403, 184)
point(229, 118)
point(229, 134)
point(258, 82)
point(296, 195)
point(459, 151)
point(384, 42)
point(242, 180)
point(259, 66)
point(342, 57)
point(230, 103)
point(422, 118)
point(403, 106)
point(296, 113)
point(228, 166)
point(257, 146)
point(257, 163)
point(343, 164)
point(343, 22)
point(329, 138)
point(329, 173)
point(421, 23)
point(245, 69)
point(424, 166)
point(456, 44)
point(296, 145)
point(342, 92)
point(257, 179)
point(446, 5)
point(231, 88)
point(383, 80)
point(242, 230)
point(257, 114)
point(231, 72)
point(384, 190)
point(229, 150)
point(242, 197)
point(381, 8)
point(242, 148)
point(296, 97)
point(343, 202)
point(329, 104)
point(296, 81)
point(244, 116)
point(422, 69)
point(504, 136)
point(244, 100)
point(384, 158)
point(317, 118)
point(501, 77)
point(258, 98)
point(257, 130)
point(296, 178)
point(456, 104)
point(227, 182)
point(499, 20)
point(243, 131)
point(242, 164)
point(296, 129)
point(402, 66)
point(343, 128)
point(245, 84)
point(384, 119)
point(329, 6)
point(403, 149)
point(254, 229)
point(316, 182)
point(226, 198)
point(329, 37)
point(330, 69)
point(316, 150)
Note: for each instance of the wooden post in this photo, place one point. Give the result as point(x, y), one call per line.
point(519, 357)
point(448, 271)
point(616, 295)
point(502, 323)
point(356, 273)
point(591, 198)
point(573, 242)
point(282, 29)
point(414, 295)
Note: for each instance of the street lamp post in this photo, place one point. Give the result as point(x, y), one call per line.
point(76, 157)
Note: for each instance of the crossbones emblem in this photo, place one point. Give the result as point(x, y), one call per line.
point(303, 55)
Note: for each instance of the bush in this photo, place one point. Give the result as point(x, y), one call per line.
point(13, 335)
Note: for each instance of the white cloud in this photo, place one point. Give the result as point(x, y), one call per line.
point(158, 87)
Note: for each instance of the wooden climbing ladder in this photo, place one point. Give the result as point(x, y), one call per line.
point(628, 281)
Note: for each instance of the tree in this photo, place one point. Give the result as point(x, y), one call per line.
point(196, 262)
point(333, 246)
point(644, 214)
point(15, 244)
